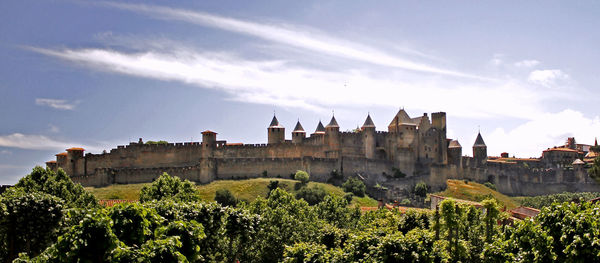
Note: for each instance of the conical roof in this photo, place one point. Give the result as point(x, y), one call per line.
point(333, 123)
point(368, 122)
point(479, 141)
point(320, 128)
point(275, 123)
point(454, 144)
point(298, 127)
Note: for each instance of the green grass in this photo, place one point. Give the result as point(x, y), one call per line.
point(247, 190)
point(118, 191)
point(473, 191)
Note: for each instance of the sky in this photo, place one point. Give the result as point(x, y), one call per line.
point(101, 74)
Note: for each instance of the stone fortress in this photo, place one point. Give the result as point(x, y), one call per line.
point(411, 150)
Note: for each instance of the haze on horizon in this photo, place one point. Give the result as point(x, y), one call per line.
point(102, 74)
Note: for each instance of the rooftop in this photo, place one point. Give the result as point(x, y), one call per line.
point(75, 149)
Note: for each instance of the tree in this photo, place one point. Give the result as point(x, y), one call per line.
point(58, 184)
point(169, 187)
point(273, 184)
point(302, 176)
point(312, 194)
point(92, 240)
point(420, 189)
point(594, 171)
point(491, 217)
point(133, 223)
point(355, 186)
point(190, 234)
point(29, 222)
point(225, 198)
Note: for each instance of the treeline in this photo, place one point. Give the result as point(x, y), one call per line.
point(47, 218)
point(547, 200)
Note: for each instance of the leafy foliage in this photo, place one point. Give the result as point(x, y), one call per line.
point(169, 187)
point(311, 194)
point(225, 198)
point(420, 189)
point(594, 171)
point(542, 201)
point(302, 176)
point(355, 186)
point(282, 228)
point(29, 222)
point(57, 184)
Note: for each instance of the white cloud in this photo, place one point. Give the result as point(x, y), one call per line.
point(548, 130)
point(528, 63)
point(289, 35)
point(5, 152)
point(56, 104)
point(38, 142)
point(279, 83)
point(548, 77)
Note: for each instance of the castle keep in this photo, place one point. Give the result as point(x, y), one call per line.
point(411, 150)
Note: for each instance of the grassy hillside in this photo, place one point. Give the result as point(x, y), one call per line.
point(243, 189)
point(473, 191)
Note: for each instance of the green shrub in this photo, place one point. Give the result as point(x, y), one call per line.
point(225, 198)
point(490, 185)
point(420, 189)
point(302, 176)
point(169, 187)
point(312, 194)
point(355, 186)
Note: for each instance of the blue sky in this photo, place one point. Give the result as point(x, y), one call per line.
point(101, 74)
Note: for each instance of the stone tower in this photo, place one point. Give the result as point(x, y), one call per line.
point(75, 161)
point(275, 132)
point(479, 151)
point(208, 165)
point(438, 121)
point(298, 134)
point(455, 153)
point(368, 131)
point(332, 134)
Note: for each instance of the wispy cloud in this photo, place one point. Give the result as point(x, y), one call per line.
point(528, 63)
point(56, 103)
point(278, 83)
point(548, 77)
point(290, 35)
point(38, 142)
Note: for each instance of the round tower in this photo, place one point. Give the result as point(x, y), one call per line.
point(319, 134)
point(298, 134)
point(332, 134)
point(368, 131)
point(479, 151)
point(275, 132)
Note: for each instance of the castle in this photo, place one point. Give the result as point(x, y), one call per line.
point(411, 150)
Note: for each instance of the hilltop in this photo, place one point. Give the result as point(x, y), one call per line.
point(472, 191)
point(248, 190)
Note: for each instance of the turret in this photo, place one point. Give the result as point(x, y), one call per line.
point(332, 134)
point(455, 153)
point(319, 134)
point(368, 131)
point(479, 151)
point(298, 134)
point(209, 143)
point(275, 132)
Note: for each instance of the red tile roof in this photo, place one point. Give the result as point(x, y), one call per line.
point(112, 202)
point(61, 154)
point(75, 149)
point(208, 132)
point(51, 162)
point(561, 149)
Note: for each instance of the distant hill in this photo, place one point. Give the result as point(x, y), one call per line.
point(243, 189)
point(473, 191)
